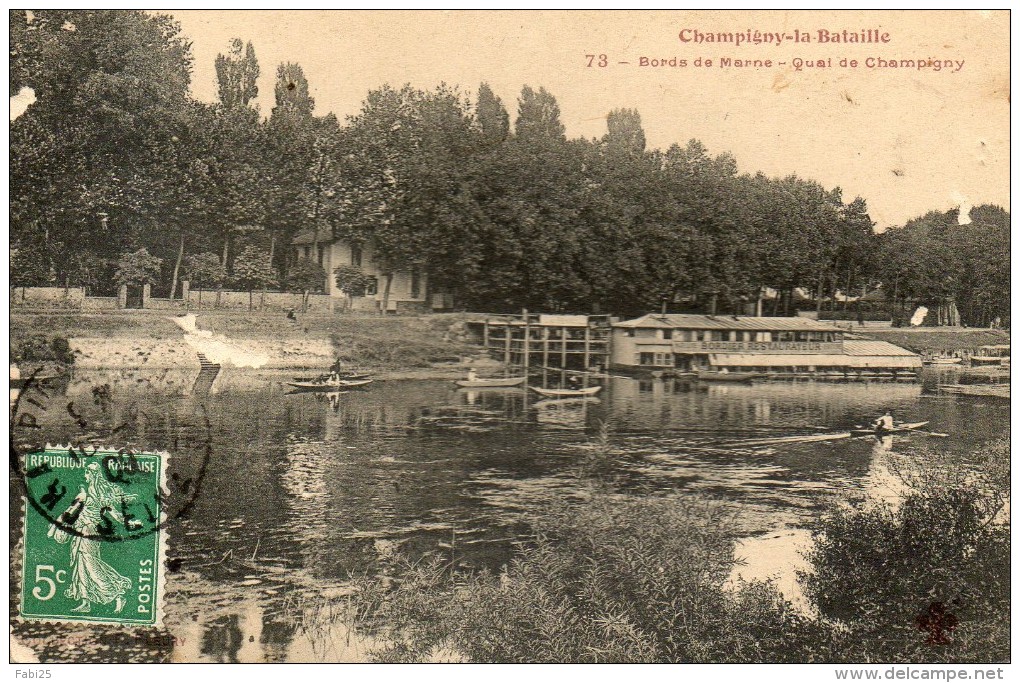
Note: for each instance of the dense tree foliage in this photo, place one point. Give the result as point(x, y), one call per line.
point(114, 156)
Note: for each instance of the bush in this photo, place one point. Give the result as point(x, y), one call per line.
point(38, 347)
point(138, 268)
point(925, 580)
point(616, 579)
point(204, 270)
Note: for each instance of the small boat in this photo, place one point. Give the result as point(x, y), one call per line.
point(330, 386)
point(993, 390)
point(345, 376)
point(997, 354)
point(590, 391)
point(901, 427)
point(719, 376)
point(555, 403)
point(491, 382)
point(944, 360)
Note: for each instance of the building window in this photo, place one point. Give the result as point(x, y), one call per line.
point(667, 334)
point(646, 358)
point(373, 287)
point(355, 255)
point(415, 283)
point(699, 335)
point(322, 253)
point(308, 253)
point(629, 332)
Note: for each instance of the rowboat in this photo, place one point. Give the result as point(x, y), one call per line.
point(491, 382)
point(994, 390)
point(901, 427)
point(348, 377)
point(330, 386)
point(570, 401)
point(719, 376)
point(590, 391)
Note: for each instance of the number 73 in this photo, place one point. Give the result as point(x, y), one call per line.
point(603, 60)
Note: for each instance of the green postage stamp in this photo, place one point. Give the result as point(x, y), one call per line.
point(93, 543)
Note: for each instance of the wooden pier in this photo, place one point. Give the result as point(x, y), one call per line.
point(575, 342)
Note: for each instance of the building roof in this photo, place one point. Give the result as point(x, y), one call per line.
point(856, 347)
point(727, 322)
point(308, 236)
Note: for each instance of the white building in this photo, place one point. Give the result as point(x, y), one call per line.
point(408, 290)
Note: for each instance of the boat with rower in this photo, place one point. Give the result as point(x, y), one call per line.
point(328, 385)
point(897, 428)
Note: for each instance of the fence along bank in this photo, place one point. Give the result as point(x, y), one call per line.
point(776, 346)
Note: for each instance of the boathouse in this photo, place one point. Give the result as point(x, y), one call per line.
point(772, 345)
point(578, 342)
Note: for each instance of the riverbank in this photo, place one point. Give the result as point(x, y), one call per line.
point(397, 347)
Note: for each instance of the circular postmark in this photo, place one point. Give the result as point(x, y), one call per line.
point(94, 491)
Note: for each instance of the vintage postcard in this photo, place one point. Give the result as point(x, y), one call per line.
point(511, 337)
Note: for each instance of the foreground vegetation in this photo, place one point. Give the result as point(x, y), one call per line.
point(621, 578)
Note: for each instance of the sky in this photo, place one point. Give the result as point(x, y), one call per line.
point(908, 140)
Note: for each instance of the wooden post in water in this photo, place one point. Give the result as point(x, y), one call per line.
point(563, 347)
point(587, 347)
point(527, 339)
point(545, 347)
point(507, 330)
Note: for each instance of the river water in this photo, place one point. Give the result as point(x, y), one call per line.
point(304, 490)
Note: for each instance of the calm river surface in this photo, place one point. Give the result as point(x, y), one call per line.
point(303, 489)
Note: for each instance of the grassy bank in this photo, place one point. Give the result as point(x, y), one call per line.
point(390, 343)
point(922, 339)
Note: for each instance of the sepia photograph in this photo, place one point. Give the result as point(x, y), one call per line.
point(511, 337)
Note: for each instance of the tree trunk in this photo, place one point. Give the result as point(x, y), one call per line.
point(226, 246)
point(386, 294)
point(846, 292)
point(250, 303)
point(177, 267)
point(818, 296)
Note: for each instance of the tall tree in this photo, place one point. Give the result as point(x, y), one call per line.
point(300, 149)
point(491, 116)
point(538, 116)
point(88, 158)
point(237, 74)
point(625, 131)
point(291, 91)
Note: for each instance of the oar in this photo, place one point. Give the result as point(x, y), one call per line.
point(925, 431)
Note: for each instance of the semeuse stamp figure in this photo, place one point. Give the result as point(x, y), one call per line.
point(92, 579)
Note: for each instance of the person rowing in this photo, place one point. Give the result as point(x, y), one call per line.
point(883, 424)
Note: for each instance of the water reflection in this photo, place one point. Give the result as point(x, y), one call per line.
point(307, 490)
